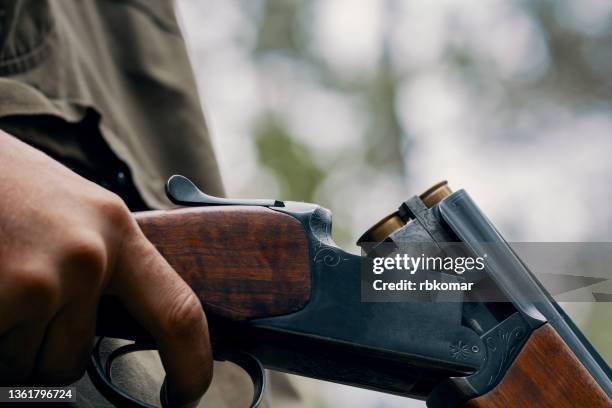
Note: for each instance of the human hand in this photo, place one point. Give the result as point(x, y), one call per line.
point(64, 242)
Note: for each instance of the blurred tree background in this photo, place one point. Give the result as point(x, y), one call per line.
point(358, 105)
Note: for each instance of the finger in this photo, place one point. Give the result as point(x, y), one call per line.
point(68, 342)
point(18, 351)
point(165, 305)
point(28, 293)
point(7, 319)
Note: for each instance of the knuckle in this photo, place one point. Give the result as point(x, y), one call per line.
point(86, 253)
point(39, 287)
point(185, 315)
point(114, 210)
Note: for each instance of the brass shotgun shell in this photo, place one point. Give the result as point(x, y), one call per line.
point(392, 222)
point(435, 194)
point(382, 229)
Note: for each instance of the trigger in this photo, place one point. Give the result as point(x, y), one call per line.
point(253, 368)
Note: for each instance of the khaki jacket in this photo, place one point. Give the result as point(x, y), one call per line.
point(122, 68)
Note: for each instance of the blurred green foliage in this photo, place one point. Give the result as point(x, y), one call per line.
point(288, 159)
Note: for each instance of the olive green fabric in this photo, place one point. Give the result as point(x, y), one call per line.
point(124, 60)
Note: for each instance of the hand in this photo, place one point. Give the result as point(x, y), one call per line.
point(64, 242)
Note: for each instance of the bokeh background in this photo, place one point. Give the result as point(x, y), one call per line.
point(357, 105)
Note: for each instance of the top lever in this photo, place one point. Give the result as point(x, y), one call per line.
point(182, 191)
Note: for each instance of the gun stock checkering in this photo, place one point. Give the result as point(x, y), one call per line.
point(280, 294)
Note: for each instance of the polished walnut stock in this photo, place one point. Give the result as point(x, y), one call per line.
point(242, 262)
point(546, 373)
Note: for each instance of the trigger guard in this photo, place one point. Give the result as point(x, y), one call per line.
point(253, 368)
point(99, 372)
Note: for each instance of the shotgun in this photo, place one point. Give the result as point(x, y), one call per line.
point(280, 294)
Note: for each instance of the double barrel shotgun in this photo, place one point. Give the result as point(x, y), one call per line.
point(280, 294)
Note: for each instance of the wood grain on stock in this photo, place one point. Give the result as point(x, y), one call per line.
point(242, 262)
point(545, 374)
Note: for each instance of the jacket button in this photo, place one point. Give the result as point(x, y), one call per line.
point(121, 179)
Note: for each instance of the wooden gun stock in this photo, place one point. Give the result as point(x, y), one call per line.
point(546, 373)
point(242, 263)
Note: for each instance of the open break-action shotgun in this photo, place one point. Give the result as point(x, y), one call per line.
point(280, 294)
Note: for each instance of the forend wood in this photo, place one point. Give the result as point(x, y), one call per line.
point(243, 262)
point(546, 373)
